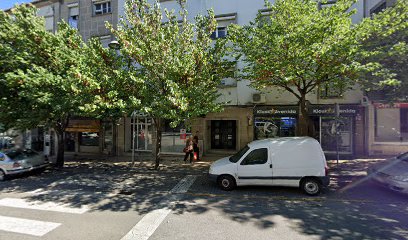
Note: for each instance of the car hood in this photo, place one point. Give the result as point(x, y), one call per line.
point(221, 162)
point(221, 166)
point(392, 167)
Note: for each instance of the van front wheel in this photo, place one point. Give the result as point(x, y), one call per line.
point(311, 186)
point(226, 182)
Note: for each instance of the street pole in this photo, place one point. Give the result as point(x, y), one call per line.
point(133, 138)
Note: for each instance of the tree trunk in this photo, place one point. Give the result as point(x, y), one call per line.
point(304, 120)
point(158, 126)
point(60, 152)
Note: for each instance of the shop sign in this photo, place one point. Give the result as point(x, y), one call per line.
point(276, 111)
point(183, 133)
point(330, 110)
point(389, 105)
point(83, 125)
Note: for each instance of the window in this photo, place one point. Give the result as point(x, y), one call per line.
point(237, 156)
point(391, 124)
point(89, 139)
point(257, 156)
point(73, 17)
point(172, 141)
point(377, 9)
point(49, 23)
point(223, 21)
point(102, 8)
point(220, 32)
point(272, 127)
point(141, 134)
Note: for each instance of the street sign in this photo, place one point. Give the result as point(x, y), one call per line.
point(183, 133)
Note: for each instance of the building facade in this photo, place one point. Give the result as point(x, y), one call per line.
point(364, 126)
point(89, 17)
point(251, 114)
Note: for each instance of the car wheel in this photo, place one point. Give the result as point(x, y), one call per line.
point(2, 175)
point(226, 182)
point(311, 186)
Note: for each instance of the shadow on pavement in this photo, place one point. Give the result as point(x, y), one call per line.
point(116, 187)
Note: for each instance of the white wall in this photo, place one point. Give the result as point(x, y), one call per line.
point(48, 13)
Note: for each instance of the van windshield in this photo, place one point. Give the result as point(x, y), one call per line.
point(235, 158)
point(403, 157)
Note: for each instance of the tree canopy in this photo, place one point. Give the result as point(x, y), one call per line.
point(179, 64)
point(42, 75)
point(300, 47)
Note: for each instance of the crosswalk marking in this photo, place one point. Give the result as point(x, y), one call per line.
point(25, 226)
point(184, 184)
point(151, 221)
point(44, 206)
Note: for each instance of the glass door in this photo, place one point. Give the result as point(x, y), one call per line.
point(344, 134)
point(142, 130)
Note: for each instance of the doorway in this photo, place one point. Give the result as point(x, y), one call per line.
point(223, 134)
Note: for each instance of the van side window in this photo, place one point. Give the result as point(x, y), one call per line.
point(257, 156)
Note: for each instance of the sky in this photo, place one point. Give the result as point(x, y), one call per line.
point(6, 4)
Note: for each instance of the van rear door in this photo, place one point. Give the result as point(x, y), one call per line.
point(255, 168)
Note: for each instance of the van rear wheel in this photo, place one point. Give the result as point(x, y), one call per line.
point(311, 186)
point(226, 182)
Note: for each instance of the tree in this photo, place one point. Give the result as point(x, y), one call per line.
point(180, 65)
point(388, 57)
point(40, 80)
point(300, 46)
point(116, 92)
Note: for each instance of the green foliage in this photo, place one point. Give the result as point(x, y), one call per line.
point(179, 64)
point(386, 61)
point(116, 89)
point(38, 71)
point(298, 47)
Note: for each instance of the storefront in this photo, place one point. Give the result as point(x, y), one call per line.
point(281, 121)
point(83, 135)
point(139, 134)
point(388, 128)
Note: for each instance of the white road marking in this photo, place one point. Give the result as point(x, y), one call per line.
point(25, 226)
point(44, 206)
point(146, 227)
point(184, 184)
point(151, 221)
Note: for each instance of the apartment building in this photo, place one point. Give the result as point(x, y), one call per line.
point(366, 126)
point(251, 114)
point(89, 17)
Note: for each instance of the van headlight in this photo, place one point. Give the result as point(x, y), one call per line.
point(211, 169)
point(400, 178)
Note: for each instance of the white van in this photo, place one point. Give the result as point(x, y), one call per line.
point(289, 161)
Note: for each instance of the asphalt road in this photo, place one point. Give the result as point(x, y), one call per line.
point(101, 201)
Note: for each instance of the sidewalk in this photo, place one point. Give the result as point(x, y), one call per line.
point(348, 172)
point(143, 163)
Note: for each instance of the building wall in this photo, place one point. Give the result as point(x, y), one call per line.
point(244, 128)
point(388, 126)
point(90, 25)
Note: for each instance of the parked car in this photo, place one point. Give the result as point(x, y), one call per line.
point(392, 173)
point(289, 161)
point(16, 161)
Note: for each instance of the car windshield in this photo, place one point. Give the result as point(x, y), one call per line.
point(235, 158)
point(16, 154)
point(403, 157)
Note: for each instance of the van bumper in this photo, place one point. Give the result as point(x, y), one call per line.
point(325, 181)
point(213, 177)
